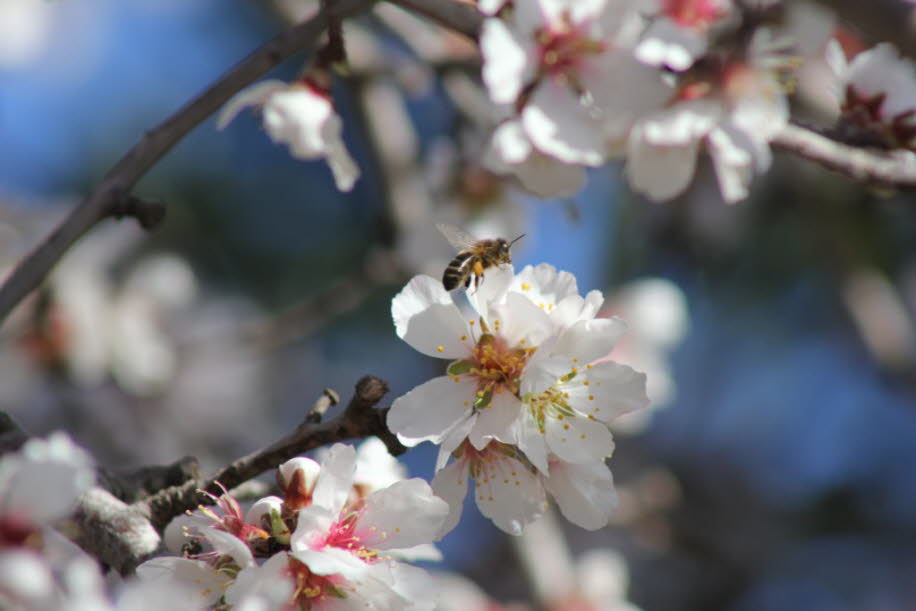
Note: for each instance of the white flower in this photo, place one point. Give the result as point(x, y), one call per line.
point(41, 483)
point(678, 35)
point(878, 93)
point(656, 310)
point(559, 64)
point(340, 543)
point(301, 116)
point(734, 116)
point(521, 387)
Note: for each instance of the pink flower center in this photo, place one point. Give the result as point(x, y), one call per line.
point(343, 535)
point(869, 115)
point(564, 47)
point(695, 14)
point(497, 366)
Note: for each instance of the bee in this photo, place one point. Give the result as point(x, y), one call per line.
point(474, 256)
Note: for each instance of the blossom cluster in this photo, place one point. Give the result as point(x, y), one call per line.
point(524, 407)
point(575, 84)
point(333, 540)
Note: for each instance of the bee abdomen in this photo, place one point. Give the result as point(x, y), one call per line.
point(457, 271)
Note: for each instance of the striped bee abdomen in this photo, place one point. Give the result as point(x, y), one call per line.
point(458, 271)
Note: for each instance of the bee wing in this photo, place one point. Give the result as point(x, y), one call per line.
point(458, 238)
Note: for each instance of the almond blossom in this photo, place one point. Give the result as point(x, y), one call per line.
point(302, 116)
point(521, 390)
point(732, 111)
point(40, 484)
point(558, 64)
point(330, 542)
point(877, 92)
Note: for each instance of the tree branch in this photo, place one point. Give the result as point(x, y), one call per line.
point(358, 420)
point(893, 168)
point(104, 200)
point(456, 16)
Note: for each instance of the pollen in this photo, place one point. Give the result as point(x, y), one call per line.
point(464, 337)
point(590, 398)
point(441, 348)
point(526, 286)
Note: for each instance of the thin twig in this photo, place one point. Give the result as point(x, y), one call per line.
point(328, 399)
point(101, 203)
point(358, 420)
point(456, 16)
point(891, 169)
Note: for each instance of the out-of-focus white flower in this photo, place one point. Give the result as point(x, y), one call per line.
point(878, 93)
point(458, 593)
point(733, 115)
point(602, 581)
point(679, 34)
point(302, 116)
point(656, 311)
point(521, 389)
point(558, 64)
point(25, 26)
point(40, 484)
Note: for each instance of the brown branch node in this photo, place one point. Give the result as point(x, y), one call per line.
point(359, 419)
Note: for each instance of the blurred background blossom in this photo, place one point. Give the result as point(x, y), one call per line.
point(777, 332)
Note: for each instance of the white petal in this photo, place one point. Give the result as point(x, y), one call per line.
point(617, 389)
point(313, 524)
point(547, 177)
point(403, 515)
point(492, 290)
point(255, 95)
point(732, 163)
point(42, 482)
point(301, 119)
point(451, 485)
point(430, 410)
point(415, 586)
point(578, 439)
point(376, 467)
point(226, 544)
point(425, 552)
point(344, 169)
point(196, 575)
point(544, 284)
point(560, 126)
point(519, 321)
point(660, 172)
point(27, 579)
point(508, 61)
point(543, 371)
point(454, 438)
point(510, 144)
point(268, 584)
point(426, 318)
point(589, 340)
point(509, 494)
point(530, 440)
point(496, 420)
point(336, 478)
point(585, 493)
point(331, 561)
point(181, 528)
point(667, 44)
